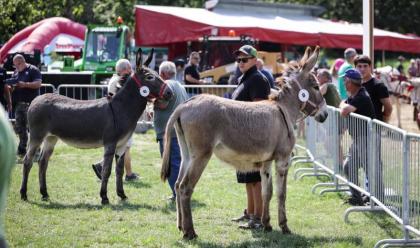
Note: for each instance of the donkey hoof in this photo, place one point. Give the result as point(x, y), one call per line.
point(105, 201)
point(190, 235)
point(45, 198)
point(123, 197)
point(286, 230)
point(268, 228)
point(24, 197)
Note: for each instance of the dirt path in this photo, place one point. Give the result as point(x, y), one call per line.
point(407, 122)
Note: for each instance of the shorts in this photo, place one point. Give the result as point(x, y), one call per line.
point(248, 177)
point(121, 150)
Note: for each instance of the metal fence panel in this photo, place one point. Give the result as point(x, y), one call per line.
point(218, 90)
point(413, 183)
point(386, 179)
point(83, 91)
point(47, 88)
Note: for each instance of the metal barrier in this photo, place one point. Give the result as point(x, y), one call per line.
point(83, 91)
point(218, 90)
point(328, 155)
point(47, 88)
point(90, 92)
point(382, 162)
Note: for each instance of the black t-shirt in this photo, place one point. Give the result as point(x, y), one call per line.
point(377, 91)
point(252, 85)
point(2, 78)
point(29, 74)
point(192, 70)
point(363, 104)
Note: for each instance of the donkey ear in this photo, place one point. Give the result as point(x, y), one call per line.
point(311, 61)
point(305, 57)
point(149, 58)
point(139, 59)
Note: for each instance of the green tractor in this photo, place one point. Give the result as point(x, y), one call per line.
point(104, 46)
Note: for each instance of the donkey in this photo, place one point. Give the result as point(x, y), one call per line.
point(97, 123)
point(246, 135)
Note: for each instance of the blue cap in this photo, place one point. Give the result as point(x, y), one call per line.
point(353, 74)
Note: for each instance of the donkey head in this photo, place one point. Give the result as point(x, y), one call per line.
point(149, 83)
point(306, 84)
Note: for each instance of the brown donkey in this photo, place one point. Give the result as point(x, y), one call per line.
point(246, 135)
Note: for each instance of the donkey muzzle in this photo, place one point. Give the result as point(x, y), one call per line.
point(322, 114)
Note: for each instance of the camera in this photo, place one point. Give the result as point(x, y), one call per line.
point(11, 81)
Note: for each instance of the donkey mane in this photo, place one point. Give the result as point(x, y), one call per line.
point(283, 84)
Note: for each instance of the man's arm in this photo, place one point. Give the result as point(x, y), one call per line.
point(29, 85)
point(190, 79)
point(387, 108)
point(8, 97)
point(346, 109)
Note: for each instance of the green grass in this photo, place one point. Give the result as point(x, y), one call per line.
point(74, 216)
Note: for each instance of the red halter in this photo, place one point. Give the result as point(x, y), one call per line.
point(151, 95)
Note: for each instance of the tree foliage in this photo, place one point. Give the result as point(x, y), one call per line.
point(399, 16)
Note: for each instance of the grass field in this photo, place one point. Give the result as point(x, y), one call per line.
point(74, 216)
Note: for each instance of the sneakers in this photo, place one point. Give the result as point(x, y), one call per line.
point(132, 177)
point(244, 217)
point(97, 168)
point(253, 223)
point(171, 198)
point(355, 201)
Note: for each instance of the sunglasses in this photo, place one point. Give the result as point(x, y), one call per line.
point(243, 60)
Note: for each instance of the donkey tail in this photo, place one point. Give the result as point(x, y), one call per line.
point(166, 168)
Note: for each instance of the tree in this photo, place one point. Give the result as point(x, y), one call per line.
point(397, 16)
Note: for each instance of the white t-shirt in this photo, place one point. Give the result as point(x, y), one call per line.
point(114, 84)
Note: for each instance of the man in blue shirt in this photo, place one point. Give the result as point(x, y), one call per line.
point(28, 79)
point(162, 112)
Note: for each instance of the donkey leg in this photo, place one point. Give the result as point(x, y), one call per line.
point(185, 160)
point(184, 165)
point(282, 170)
point(119, 171)
point(267, 192)
point(106, 172)
point(27, 165)
point(47, 151)
point(190, 179)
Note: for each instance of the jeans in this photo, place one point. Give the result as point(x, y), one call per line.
point(357, 158)
point(174, 159)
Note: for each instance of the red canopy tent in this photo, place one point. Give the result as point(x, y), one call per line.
point(62, 34)
point(166, 26)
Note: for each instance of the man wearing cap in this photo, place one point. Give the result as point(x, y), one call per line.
point(358, 102)
point(349, 55)
point(252, 86)
point(378, 92)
